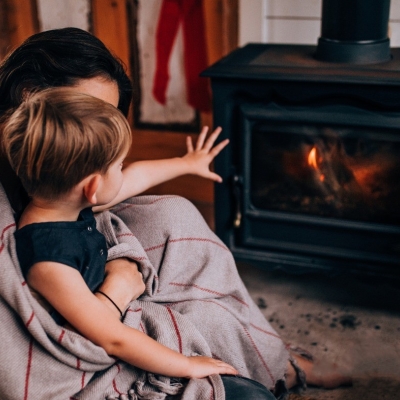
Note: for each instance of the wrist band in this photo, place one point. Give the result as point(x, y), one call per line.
point(112, 301)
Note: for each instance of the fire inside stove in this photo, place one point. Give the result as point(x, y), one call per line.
point(343, 173)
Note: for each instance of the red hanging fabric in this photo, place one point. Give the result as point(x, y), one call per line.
point(189, 13)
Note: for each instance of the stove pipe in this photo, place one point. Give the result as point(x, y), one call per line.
point(354, 31)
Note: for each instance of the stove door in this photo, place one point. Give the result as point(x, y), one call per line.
point(321, 183)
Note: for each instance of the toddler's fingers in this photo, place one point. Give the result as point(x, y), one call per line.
point(217, 149)
point(189, 144)
point(201, 138)
point(212, 138)
point(214, 177)
point(227, 369)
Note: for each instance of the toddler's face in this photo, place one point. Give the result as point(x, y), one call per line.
point(111, 182)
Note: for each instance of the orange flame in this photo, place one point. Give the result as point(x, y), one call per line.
point(312, 162)
point(312, 158)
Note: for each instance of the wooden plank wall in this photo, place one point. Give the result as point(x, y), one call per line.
point(18, 22)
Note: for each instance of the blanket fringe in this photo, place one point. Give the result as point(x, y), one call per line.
point(164, 386)
point(171, 386)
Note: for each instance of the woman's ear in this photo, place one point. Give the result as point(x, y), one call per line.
point(90, 188)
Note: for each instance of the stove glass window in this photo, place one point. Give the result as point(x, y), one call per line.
point(350, 173)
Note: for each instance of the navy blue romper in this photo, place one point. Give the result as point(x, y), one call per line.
point(77, 244)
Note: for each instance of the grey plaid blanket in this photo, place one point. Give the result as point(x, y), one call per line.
point(194, 303)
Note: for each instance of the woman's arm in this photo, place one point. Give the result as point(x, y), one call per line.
point(64, 288)
point(142, 175)
point(123, 282)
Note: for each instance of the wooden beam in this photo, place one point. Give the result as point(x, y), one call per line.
point(4, 39)
point(230, 26)
point(221, 17)
point(110, 25)
point(22, 20)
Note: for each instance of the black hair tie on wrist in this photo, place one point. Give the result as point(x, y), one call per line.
point(112, 301)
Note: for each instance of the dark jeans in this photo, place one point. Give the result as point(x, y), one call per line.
point(239, 388)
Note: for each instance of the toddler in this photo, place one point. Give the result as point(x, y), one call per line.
point(68, 150)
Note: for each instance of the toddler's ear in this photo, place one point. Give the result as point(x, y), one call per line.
point(90, 188)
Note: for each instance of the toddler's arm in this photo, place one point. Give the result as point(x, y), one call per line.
point(64, 288)
point(123, 282)
point(142, 175)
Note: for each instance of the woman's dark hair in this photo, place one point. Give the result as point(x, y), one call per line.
point(59, 57)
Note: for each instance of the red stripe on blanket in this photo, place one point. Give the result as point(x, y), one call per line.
point(30, 319)
point(198, 240)
point(187, 239)
point(206, 301)
point(60, 338)
point(142, 328)
point(209, 291)
point(23, 283)
point(28, 368)
point(152, 202)
point(2, 235)
point(125, 234)
point(159, 246)
point(115, 387)
point(212, 389)
point(78, 363)
point(178, 334)
point(83, 380)
point(266, 332)
point(212, 394)
point(136, 310)
point(114, 382)
point(259, 354)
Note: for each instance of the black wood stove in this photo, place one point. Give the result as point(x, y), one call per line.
point(312, 173)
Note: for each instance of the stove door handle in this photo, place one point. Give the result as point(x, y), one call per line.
point(237, 193)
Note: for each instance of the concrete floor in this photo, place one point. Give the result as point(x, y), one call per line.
point(349, 320)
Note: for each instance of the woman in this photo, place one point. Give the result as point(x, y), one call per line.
point(167, 236)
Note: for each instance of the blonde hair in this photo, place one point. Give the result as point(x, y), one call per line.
point(58, 137)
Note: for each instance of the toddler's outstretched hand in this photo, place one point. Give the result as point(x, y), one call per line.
point(202, 366)
point(200, 158)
